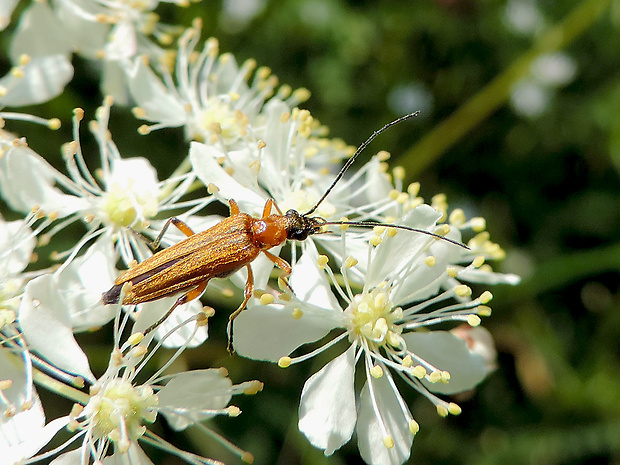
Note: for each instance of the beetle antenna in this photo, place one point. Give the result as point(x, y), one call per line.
point(372, 224)
point(359, 150)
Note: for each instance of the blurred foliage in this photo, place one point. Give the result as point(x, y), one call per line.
point(548, 186)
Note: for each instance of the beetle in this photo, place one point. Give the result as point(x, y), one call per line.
point(234, 243)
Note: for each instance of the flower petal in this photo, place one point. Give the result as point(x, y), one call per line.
point(27, 180)
point(448, 352)
point(370, 437)
point(46, 322)
point(190, 397)
point(204, 161)
point(327, 412)
point(43, 79)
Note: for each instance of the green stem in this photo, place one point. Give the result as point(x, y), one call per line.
point(481, 105)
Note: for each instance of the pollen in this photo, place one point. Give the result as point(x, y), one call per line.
point(483, 310)
point(414, 427)
point(430, 261)
point(266, 299)
point(297, 313)
point(350, 262)
point(388, 442)
point(322, 261)
point(454, 409)
point(478, 261)
point(457, 217)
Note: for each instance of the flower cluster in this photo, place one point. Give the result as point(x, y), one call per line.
point(391, 301)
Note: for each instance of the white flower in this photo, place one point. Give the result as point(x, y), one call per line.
point(386, 325)
point(118, 408)
point(209, 95)
point(120, 198)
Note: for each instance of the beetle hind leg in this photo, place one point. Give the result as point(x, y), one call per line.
point(247, 294)
point(187, 297)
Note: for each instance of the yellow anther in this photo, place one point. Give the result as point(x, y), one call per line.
point(399, 173)
point(393, 195)
point(457, 217)
point(391, 232)
point(413, 189)
point(376, 371)
point(350, 262)
point(445, 377)
point(388, 442)
point(419, 372)
point(454, 409)
point(284, 362)
point(253, 388)
point(375, 240)
point(478, 224)
point(383, 155)
point(407, 361)
point(478, 261)
point(462, 290)
point(485, 297)
point(266, 299)
point(483, 310)
point(442, 411)
point(135, 339)
point(434, 377)
point(247, 457)
point(473, 320)
point(378, 230)
point(452, 272)
point(233, 411)
point(54, 124)
point(414, 427)
point(322, 261)
point(430, 261)
point(297, 313)
point(212, 188)
point(144, 130)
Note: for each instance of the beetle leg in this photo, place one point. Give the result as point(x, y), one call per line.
point(283, 265)
point(269, 204)
point(187, 297)
point(234, 208)
point(183, 227)
point(247, 293)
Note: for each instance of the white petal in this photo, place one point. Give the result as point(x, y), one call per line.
point(114, 81)
point(39, 34)
point(310, 284)
point(180, 314)
point(44, 78)
point(27, 180)
point(327, 412)
point(15, 257)
point(73, 457)
point(188, 396)
point(46, 323)
point(83, 281)
point(151, 312)
point(6, 10)
point(134, 456)
point(122, 42)
point(153, 97)
point(34, 438)
point(269, 332)
point(397, 252)
point(204, 161)
point(369, 434)
point(448, 352)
